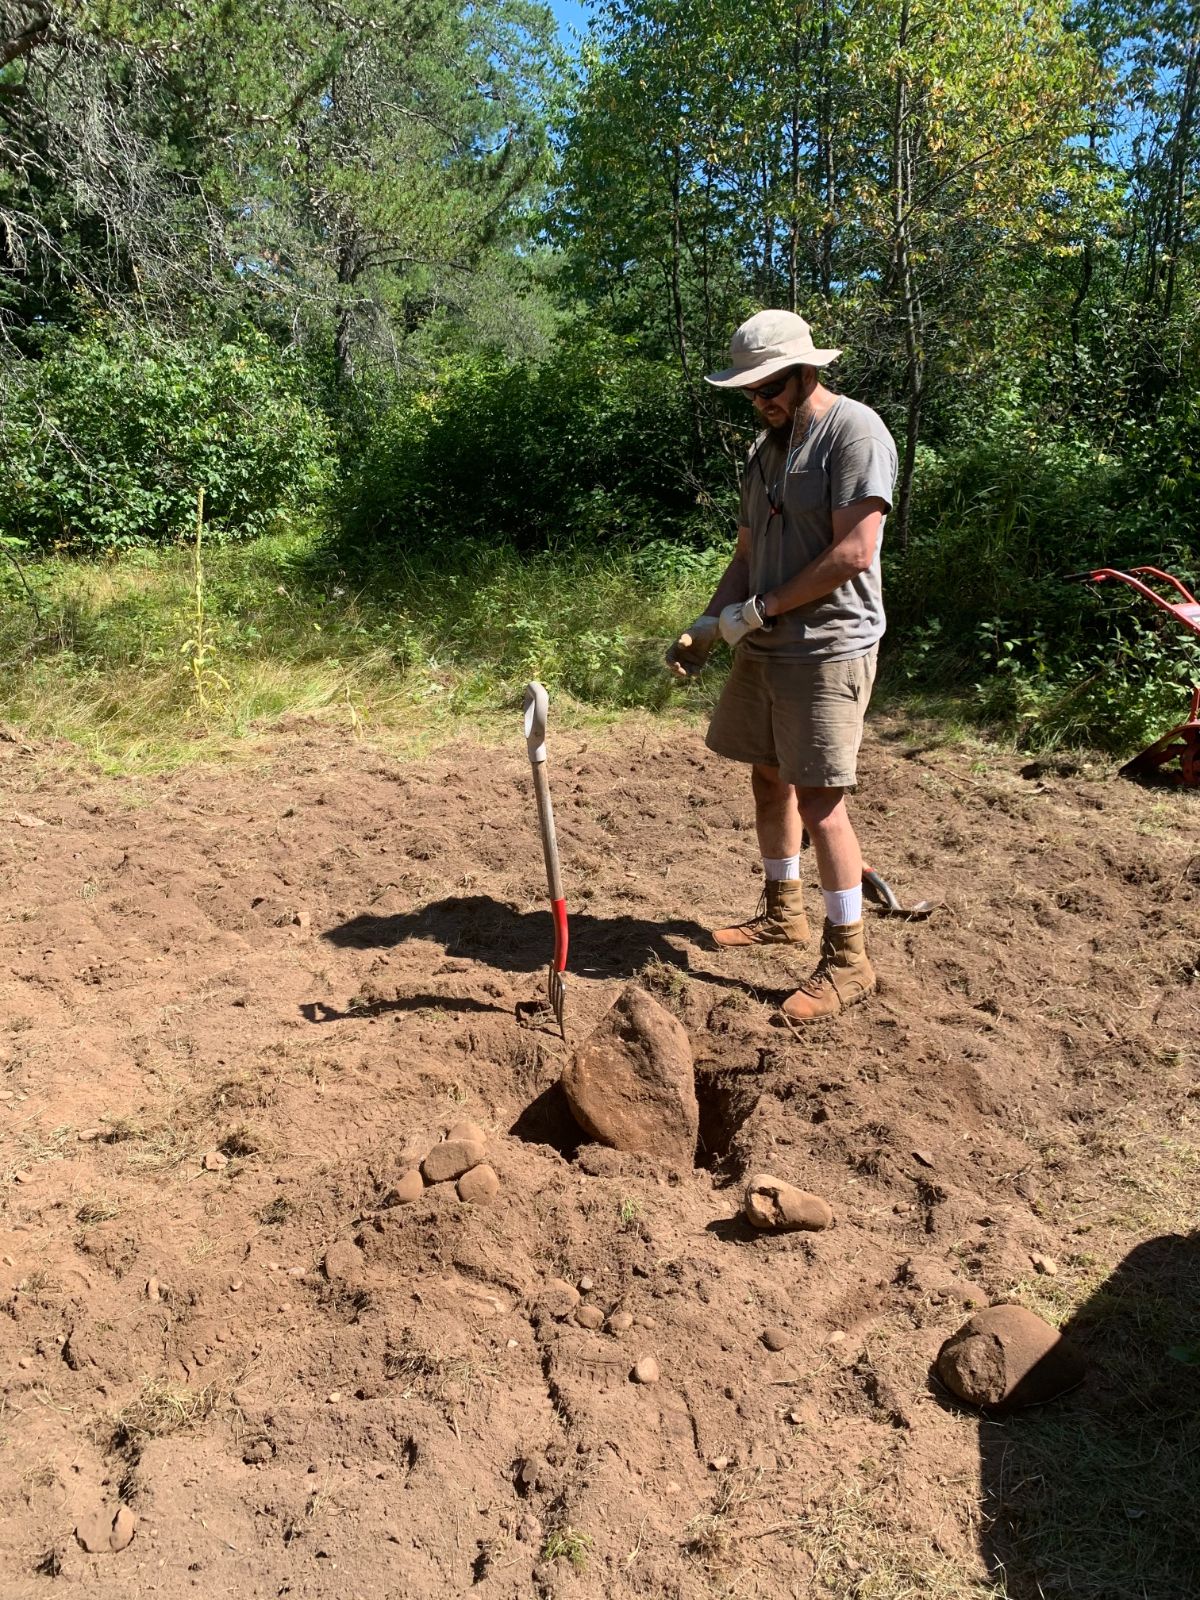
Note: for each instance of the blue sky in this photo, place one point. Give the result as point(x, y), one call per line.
point(569, 14)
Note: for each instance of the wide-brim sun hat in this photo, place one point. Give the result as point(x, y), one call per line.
point(770, 342)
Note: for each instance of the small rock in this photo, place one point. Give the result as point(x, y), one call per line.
point(24, 1363)
point(297, 1272)
point(334, 1396)
point(924, 1157)
point(302, 919)
point(451, 1159)
point(646, 1370)
point(836, 1337)
point(479, 1185)
point(794, 1417)
point(718, 1463)
point(124, 1527)
point(778, 1207)
point(514, 1344)
point(343, 1260)
point(646, 1322)
point(260, 1452)
point(214, 1161)
point(1006, 1356)
point(22, 1177)
point(408, 1187)
point(585, 1284)
point(775, 1338)
point(468, 1132)
point(153, 1289)
point(236, 1286)
point(589, 1317)
point(89, 1135)
point(8, 1261)
point(620, 1322)
point(529, 1529)
point(1044, 1264)
point(558, 1297)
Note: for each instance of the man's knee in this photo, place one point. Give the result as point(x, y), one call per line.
point(819, 807)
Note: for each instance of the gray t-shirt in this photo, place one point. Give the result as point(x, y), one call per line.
point(848, 456)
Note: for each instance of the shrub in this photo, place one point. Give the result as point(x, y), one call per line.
point(106, 437)
point(595, 446)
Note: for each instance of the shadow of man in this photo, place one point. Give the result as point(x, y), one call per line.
point(1096, 1495)
point(483, 929)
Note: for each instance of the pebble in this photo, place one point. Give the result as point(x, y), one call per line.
point(514, 1344)
point(620, 1322)
point(776, 1338)
point(451, 1159)
point(793, 1416)
point(718, 1463)
point(585, 1285)
point(589, 1317)
point(123, 1529)
point(334, 1397)
point(24, 1363)
point(1044, 1264)
point(837, 1337)
point(479, 1185)
point(778, 1207)
point(236, 1286)
point(647, 1370)
point(408, 1187)
point(297, 1272)
point(153, 1289)
point(214, 1161)
point(89, 1135)
point(22, 1177)
point(8, 1261)
point(468, 1131)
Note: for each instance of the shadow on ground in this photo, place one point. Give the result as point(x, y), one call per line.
point(479, 928)
point(1096, 1496)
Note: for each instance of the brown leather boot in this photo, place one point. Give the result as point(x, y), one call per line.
point(843, 976)
point(780, 919)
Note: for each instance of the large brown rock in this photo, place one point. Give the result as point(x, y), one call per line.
point(631, 1085)
point(1005, 1357)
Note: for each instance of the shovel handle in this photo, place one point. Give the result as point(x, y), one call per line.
point(537, 705)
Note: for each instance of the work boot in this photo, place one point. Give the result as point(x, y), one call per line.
point(842, 978)
point(779, 919)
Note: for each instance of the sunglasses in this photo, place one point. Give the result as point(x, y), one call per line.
point(768, 391)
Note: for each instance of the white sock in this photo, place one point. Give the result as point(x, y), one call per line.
point(843, 906)
point(781, 869)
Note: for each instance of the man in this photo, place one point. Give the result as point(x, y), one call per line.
point(801, 605)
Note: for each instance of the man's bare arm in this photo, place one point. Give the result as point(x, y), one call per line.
point(856, 530)
point(735, 580)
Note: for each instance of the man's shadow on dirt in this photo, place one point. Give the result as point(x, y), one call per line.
point(478, 928)
point(1097, 1494)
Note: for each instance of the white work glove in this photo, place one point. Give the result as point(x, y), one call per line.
point(686, 657)
point(741, 618)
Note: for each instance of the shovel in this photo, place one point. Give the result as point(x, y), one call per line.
point(537, 703)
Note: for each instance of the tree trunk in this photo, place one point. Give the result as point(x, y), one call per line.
point(910, 300)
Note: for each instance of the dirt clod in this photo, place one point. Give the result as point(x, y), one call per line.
point(776, 1338)
point(589, 1316)
point(646, 1370)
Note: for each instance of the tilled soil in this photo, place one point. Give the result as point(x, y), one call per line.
point(307, 969)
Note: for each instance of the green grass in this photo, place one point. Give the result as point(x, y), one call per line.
point(410, 648)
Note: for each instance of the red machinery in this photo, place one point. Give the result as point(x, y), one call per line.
point(1155, 763)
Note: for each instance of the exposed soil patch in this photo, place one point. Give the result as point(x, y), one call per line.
point(239, 1006)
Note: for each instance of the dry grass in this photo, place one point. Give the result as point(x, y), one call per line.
point(163, 1408)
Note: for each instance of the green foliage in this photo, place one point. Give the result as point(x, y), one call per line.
point(592, 447)
point(105, 441)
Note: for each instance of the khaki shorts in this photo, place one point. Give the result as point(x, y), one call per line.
point(804, 717)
